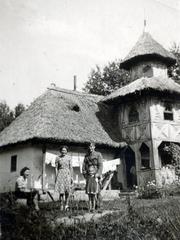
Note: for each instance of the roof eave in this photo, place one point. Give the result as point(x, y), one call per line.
point(142, 92)
point(128, 63)
point(64, 141)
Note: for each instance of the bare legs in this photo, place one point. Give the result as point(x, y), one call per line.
point(64, 201)
point(92, 202)
point(61, 200)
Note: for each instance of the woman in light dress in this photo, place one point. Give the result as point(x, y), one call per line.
point(64, 177)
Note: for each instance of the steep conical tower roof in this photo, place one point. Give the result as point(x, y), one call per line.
point(147, 48)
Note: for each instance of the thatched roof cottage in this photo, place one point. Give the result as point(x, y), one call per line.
point(56, 118)
point(145, 114)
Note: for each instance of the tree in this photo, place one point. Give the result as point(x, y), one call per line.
point(19, 109)
point(104, 81)
point(6, 115)
point(111, 77)
point(174, 71)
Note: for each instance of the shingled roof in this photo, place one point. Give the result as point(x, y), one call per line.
point(147, 48)
point(64, 116)
point(157, 84)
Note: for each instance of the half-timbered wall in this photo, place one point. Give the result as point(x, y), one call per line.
point(163, 130)
point(136, 133)
point(151, 129)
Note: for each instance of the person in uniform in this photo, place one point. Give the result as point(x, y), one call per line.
point(93, 160)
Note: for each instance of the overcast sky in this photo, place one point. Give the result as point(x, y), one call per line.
point(49, 41)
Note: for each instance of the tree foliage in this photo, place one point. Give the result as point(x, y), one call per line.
point(103, 82)
point(7, 115)
point(19, 109)
point(174, 71)
point(111, 77)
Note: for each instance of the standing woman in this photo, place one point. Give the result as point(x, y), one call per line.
point(64, 177)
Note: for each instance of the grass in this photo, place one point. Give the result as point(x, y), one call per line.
point(139, 219)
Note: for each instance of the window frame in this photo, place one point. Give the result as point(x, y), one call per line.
point(145, 157)
point(168, 114)
point(133, 112)
point(13, 166)
point(146, 71)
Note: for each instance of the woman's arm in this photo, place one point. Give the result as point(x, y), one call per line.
point(71, 168)
point(56, 165)
point(84, 172)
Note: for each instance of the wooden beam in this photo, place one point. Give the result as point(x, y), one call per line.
point(43, 167)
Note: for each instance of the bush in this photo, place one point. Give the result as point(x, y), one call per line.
point(149, 190)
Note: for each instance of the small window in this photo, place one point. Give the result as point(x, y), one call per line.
point(147, 71)
point(133, 115)
point(74, 107)
point(13, 163)
point(168, 113)
point(145, 156)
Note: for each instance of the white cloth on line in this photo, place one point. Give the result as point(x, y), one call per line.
point(50, 158)
point(110, 165)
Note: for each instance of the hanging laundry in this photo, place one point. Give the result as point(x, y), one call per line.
point(50, 159)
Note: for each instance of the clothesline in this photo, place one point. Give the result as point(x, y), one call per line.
point(108, 165)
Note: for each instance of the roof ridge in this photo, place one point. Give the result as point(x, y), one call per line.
point(68, 91)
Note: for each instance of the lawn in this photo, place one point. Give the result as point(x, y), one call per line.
point(125, 218)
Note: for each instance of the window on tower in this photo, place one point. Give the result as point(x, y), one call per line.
point(147, 71)
point(133, 115)
point(168, 111)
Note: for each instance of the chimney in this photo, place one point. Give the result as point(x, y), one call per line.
point(75, 82)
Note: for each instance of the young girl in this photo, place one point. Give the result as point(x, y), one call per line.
point(92, 188)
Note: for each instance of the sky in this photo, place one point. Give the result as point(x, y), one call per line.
point(50, 41)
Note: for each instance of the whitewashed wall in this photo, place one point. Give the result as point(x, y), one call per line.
point(25, 157)
point(32, 157)
point(158, 69)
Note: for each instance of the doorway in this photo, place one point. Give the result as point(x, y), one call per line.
point(130, 168)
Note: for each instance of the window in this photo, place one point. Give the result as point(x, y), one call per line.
point(168, 113)
point(13, 163)
point(74, 107)
point(147, 71)
point(133, 115)
point(145, 156)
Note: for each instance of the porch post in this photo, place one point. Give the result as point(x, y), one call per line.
point(156, 161)
point(43, 166)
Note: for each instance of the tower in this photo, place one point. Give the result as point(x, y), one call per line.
point(148, 110)
point(148, 59)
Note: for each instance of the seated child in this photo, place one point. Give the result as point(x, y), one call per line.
point(92, 188)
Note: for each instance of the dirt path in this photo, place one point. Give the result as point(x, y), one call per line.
point(87, 217)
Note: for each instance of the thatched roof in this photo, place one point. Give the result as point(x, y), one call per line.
point(147, 48)
point(63, 116)
point(157, 84)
